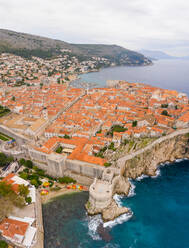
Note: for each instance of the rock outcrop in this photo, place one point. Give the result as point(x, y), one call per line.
point(113, 211)
point(101, 197)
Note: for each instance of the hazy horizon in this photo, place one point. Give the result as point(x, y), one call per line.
point(136, 25)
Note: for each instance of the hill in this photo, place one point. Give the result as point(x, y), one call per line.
point(27, 45)
point(156, 54)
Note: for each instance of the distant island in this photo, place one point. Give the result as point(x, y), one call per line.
point(156, 55)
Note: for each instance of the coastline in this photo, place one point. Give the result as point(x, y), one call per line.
point(145, 161)
point(95, 232)
point(78, 75)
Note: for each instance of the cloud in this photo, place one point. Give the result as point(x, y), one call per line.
point(134, 24)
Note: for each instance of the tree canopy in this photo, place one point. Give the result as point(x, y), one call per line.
point(5, 160)
point(9, 199)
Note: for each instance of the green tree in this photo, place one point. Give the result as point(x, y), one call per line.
point(4, 160)
point(134, 124)
point(66, 179)
point(107, 164)
point(29, 164)
point(59, 149)
point(28, 200)
point(6, 207)
point(19, 201)
point(164, 112)
point(118, 128)
point(8, 199)
point(22, 161)
point(24, 175)
point(35, 182)
point(3, 244)
point(5, 189)
point(111, 146)
point(66, 136)
point(23, 190)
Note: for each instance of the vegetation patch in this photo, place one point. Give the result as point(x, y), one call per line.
point(125, 142)
point(134, 124)
point(3, 244)
point(59, 149)
point(4, 110)
point(2, 137)
point(144, 142)
point(66, 180)
point(164, 112)
point(116, 128)
point(5, 137)
point(88, 205)
point(107, 164)
point(131, 144)
point(5, 160)
point(9, 199)
point(164, 105)
point(66, 136)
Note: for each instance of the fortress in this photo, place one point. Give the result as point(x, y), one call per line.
point(145, 161)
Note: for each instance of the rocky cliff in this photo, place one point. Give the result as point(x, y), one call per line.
point(145, 161)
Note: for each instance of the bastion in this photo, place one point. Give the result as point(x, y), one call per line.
point(144, 161)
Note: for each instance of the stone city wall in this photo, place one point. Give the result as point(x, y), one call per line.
point(20, 139)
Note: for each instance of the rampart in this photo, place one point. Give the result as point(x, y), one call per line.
point(144, 161)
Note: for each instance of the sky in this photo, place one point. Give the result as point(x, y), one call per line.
point(134, 24)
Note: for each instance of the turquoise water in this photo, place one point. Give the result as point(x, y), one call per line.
point(168, 74)
point(160, 205)
point(160, 217)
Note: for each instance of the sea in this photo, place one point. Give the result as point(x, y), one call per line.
point(159, 205)
point(166, 74)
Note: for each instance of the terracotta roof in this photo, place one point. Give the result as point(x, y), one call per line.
point(9, 228)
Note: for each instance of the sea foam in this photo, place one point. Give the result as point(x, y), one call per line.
point(117, 199)
point(93, 223)
point(119, 220)
point(141, 177)
point(132, 189)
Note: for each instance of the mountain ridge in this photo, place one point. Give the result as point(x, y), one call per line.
point(23, 44)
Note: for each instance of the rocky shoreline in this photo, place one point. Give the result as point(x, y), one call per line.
point(143, 162)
